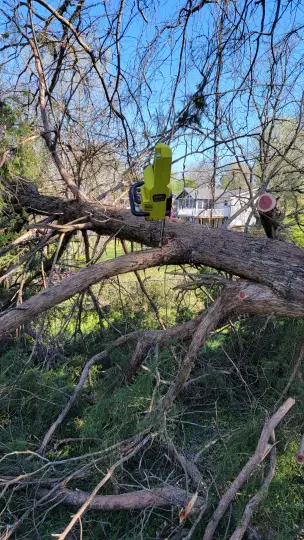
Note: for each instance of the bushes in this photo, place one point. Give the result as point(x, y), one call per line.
point(30, 399)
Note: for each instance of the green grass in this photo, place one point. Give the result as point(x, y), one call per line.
point(218, 407)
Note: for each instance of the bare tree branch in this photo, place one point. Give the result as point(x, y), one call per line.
point(261, 451)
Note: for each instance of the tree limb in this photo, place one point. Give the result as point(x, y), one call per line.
point(253, 503)
point(260, 453)
point(248, 298)
point(166, 496)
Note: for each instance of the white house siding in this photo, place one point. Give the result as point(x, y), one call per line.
point(242, 219)
point(226, 204)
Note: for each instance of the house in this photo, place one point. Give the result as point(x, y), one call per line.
point(196, 206)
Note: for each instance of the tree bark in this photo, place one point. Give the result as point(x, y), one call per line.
point(274, 263)
point(243, 298)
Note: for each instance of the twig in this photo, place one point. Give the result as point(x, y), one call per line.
point(79, 473)
point(195, 284)
point(100, 312)
point(24, 239)
point(197, 521)
point(82, 379)
point(300, 455)
point(158, 379)
point(200, 378)
point(61, 228)
point(238, 371)
point(54, 262)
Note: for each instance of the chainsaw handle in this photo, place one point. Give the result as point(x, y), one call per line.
point(135, 194)
point(134, 198)
point(169, 205)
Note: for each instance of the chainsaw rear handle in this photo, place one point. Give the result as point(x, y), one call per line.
point(169, 205)
point(134, 198)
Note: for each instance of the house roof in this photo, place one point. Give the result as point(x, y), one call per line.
point(204, 192)
point(197, 193)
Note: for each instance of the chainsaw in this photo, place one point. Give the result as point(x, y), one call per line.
point(152, 197)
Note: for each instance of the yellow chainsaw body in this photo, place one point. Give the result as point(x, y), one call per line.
point(156, 188)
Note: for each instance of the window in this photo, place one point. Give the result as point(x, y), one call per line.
point(189, 202)
point(199, 204)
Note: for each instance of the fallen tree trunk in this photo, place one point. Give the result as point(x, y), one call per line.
point(276, 264)
point(270, 262)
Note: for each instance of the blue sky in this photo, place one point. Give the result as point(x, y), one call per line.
point(199, 25)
